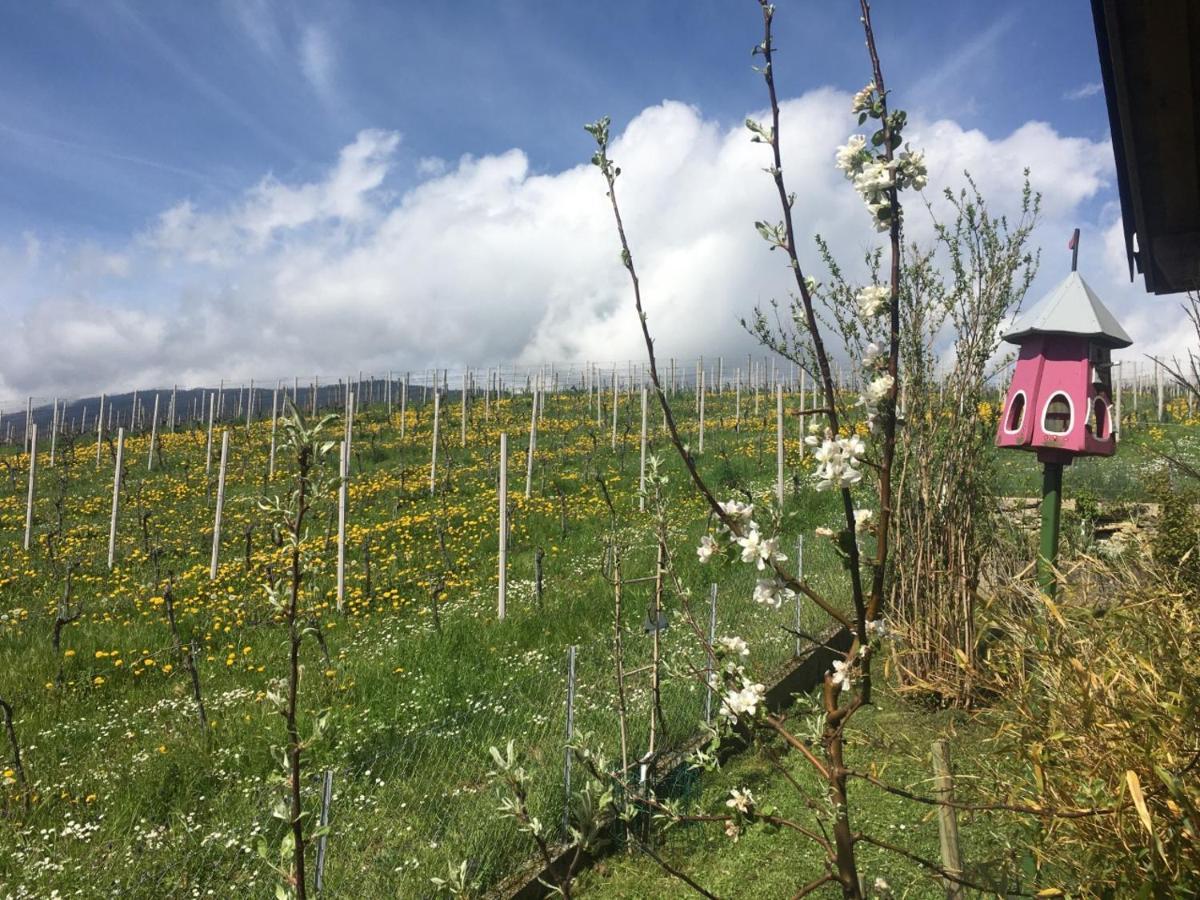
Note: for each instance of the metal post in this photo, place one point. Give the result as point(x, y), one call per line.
point(566, 817)
point(502, 592)
point(323, 840)
point(712, 636)
point(800, 578)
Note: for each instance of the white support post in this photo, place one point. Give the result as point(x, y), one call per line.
point(216, 544)
point(532, 445)
point(437, 410)
point(343, 482)
point(1158, 388)
point(712, 637)
point(701, 412)
point(403, 404)
point(1117, 402)
point(54, 429)
point(614, 408)
point(779, 443)
point(212, 411)
point(112, 524)
point(153, 437)
point(799, 597)
point(502, 591)
point(99, 431)
point(274, 421)
point(463, 422)
point(32, 482)
point(642, 464)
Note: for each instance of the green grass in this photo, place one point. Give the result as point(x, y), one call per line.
point(132, 799)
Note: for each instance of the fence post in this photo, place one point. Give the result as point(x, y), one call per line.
point(532, 443)
point(712, 636)
point(779, 443)
point(947, 821)
point(502, 591)
point(799, 577)
point(642, 464)
point(566, 817)
point(323, 840)
point(437, 409)
point(112, 525)
point(216, 547)
point(343, 477)
point(274, 421)
point(32, 482)
point(153, 436)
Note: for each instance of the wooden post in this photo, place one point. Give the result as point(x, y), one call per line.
point(216, 545)
point(502, 592)
point(1117, 402)
point(99, 431)
point(463, 423)
point(153, 436)
point(323, 840)
point(32, 482)
point(1158, 388)
point(779, 443)
point(642, 464)
point(532, 445)
point(614, 408)
point(947, 820)
point(343, 479)
point(274, 420)
point(112, 525)
point(437, 408)
point(212, 411)
point(54, 429)
point(403, 404)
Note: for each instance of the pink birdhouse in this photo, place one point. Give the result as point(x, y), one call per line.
point(1059, 404)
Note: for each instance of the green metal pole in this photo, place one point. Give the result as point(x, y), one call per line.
point(1051, 507)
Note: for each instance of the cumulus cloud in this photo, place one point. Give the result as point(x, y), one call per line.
point(485, 261)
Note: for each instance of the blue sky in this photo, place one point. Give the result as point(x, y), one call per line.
point(175, 171)
point(112, 112)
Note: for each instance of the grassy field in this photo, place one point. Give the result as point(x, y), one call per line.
point(132, 798)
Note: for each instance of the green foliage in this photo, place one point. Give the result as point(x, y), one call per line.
point(1176, 543)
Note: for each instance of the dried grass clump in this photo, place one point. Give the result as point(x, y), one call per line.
point(1097, 699)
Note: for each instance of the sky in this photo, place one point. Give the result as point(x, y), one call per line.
point(251, 189)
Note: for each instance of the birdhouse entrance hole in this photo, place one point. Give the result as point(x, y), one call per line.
point(1059, 415)
point(1098, 424)
point(1016, 413)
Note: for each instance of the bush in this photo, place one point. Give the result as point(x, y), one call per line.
point(1099, 704)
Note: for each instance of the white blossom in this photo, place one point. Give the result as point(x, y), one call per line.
point(863, 519)
point(852, 156)
point(862, 100)
point(911, 171)
point(760, 551)
point(838, 460)
point(707, 548)
point(734, 646)
point(740, 513)
point(879, 389)
point(741, 800)
point(772, 592)
point(822, 531)
point(841, 673)
point(872, 300)
point(742, 701)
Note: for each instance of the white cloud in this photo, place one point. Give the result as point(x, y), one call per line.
point(317, 59)
point(1088, 89)
point(485, 261)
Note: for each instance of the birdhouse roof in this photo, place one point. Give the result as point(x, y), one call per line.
point(1071, 308)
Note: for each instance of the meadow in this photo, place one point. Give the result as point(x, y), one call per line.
point(130, 795)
